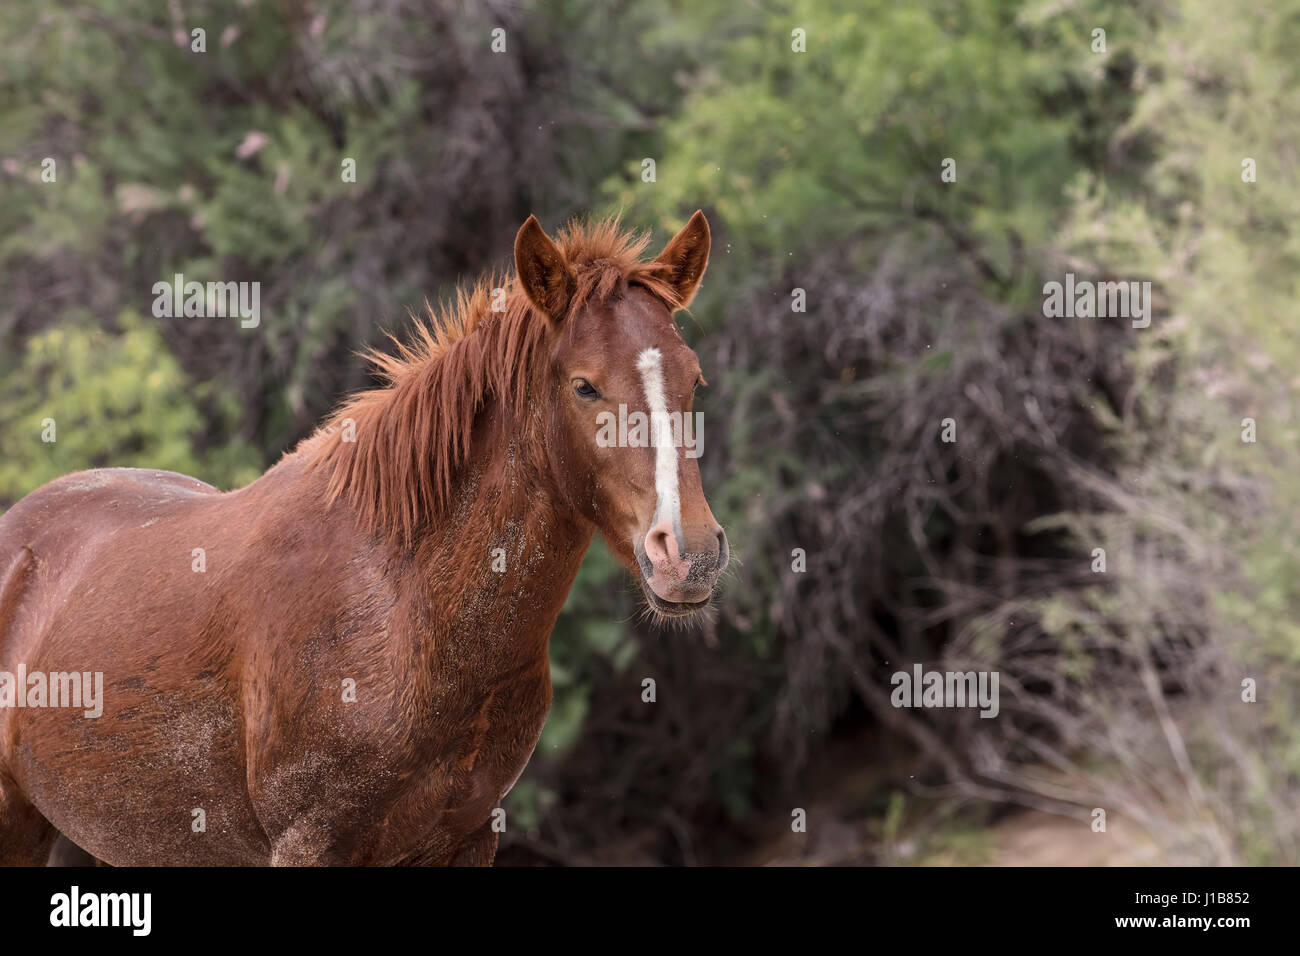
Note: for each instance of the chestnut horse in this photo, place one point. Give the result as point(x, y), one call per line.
point(345, 662)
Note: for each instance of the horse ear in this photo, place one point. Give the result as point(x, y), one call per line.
point(541, 269)
point(686, 257)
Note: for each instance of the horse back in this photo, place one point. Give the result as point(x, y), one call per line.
point(45, 533)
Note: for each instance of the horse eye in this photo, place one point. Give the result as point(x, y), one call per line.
point(584, 389)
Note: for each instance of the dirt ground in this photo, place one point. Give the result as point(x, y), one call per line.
point(868, 813)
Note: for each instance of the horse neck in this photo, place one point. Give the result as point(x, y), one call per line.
point(504, 554)
point(496, 560)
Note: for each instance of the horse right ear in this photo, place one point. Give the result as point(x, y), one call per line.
point(541, 270)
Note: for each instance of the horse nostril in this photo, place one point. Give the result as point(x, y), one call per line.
point(724, 551)
point(660, 546)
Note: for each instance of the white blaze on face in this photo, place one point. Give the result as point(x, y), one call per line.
point(669, 505)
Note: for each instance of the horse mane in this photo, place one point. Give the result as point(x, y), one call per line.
point(413, 434)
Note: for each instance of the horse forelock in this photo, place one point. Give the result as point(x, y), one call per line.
point(395, 452)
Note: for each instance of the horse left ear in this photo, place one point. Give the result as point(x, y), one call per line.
point(542, 271)
point(686, 257)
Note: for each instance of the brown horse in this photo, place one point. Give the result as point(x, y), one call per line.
point(345, 662)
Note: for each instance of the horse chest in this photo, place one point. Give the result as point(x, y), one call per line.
point(492, 740)
point(472, 749)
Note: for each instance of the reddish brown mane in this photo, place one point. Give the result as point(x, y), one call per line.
point(414, 434)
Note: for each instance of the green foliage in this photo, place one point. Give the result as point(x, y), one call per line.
point(844, 143)
point(105, 401)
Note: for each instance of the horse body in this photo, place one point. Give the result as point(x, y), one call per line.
point(345, 662)
point(452, 689)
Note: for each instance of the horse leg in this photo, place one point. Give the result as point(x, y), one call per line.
point(25, 835)
point(67, 853)
point(308, 842)
point(479, 848)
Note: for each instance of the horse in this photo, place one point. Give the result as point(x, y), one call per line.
point(345, 662)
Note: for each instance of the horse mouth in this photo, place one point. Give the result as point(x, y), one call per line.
point(673, 608)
